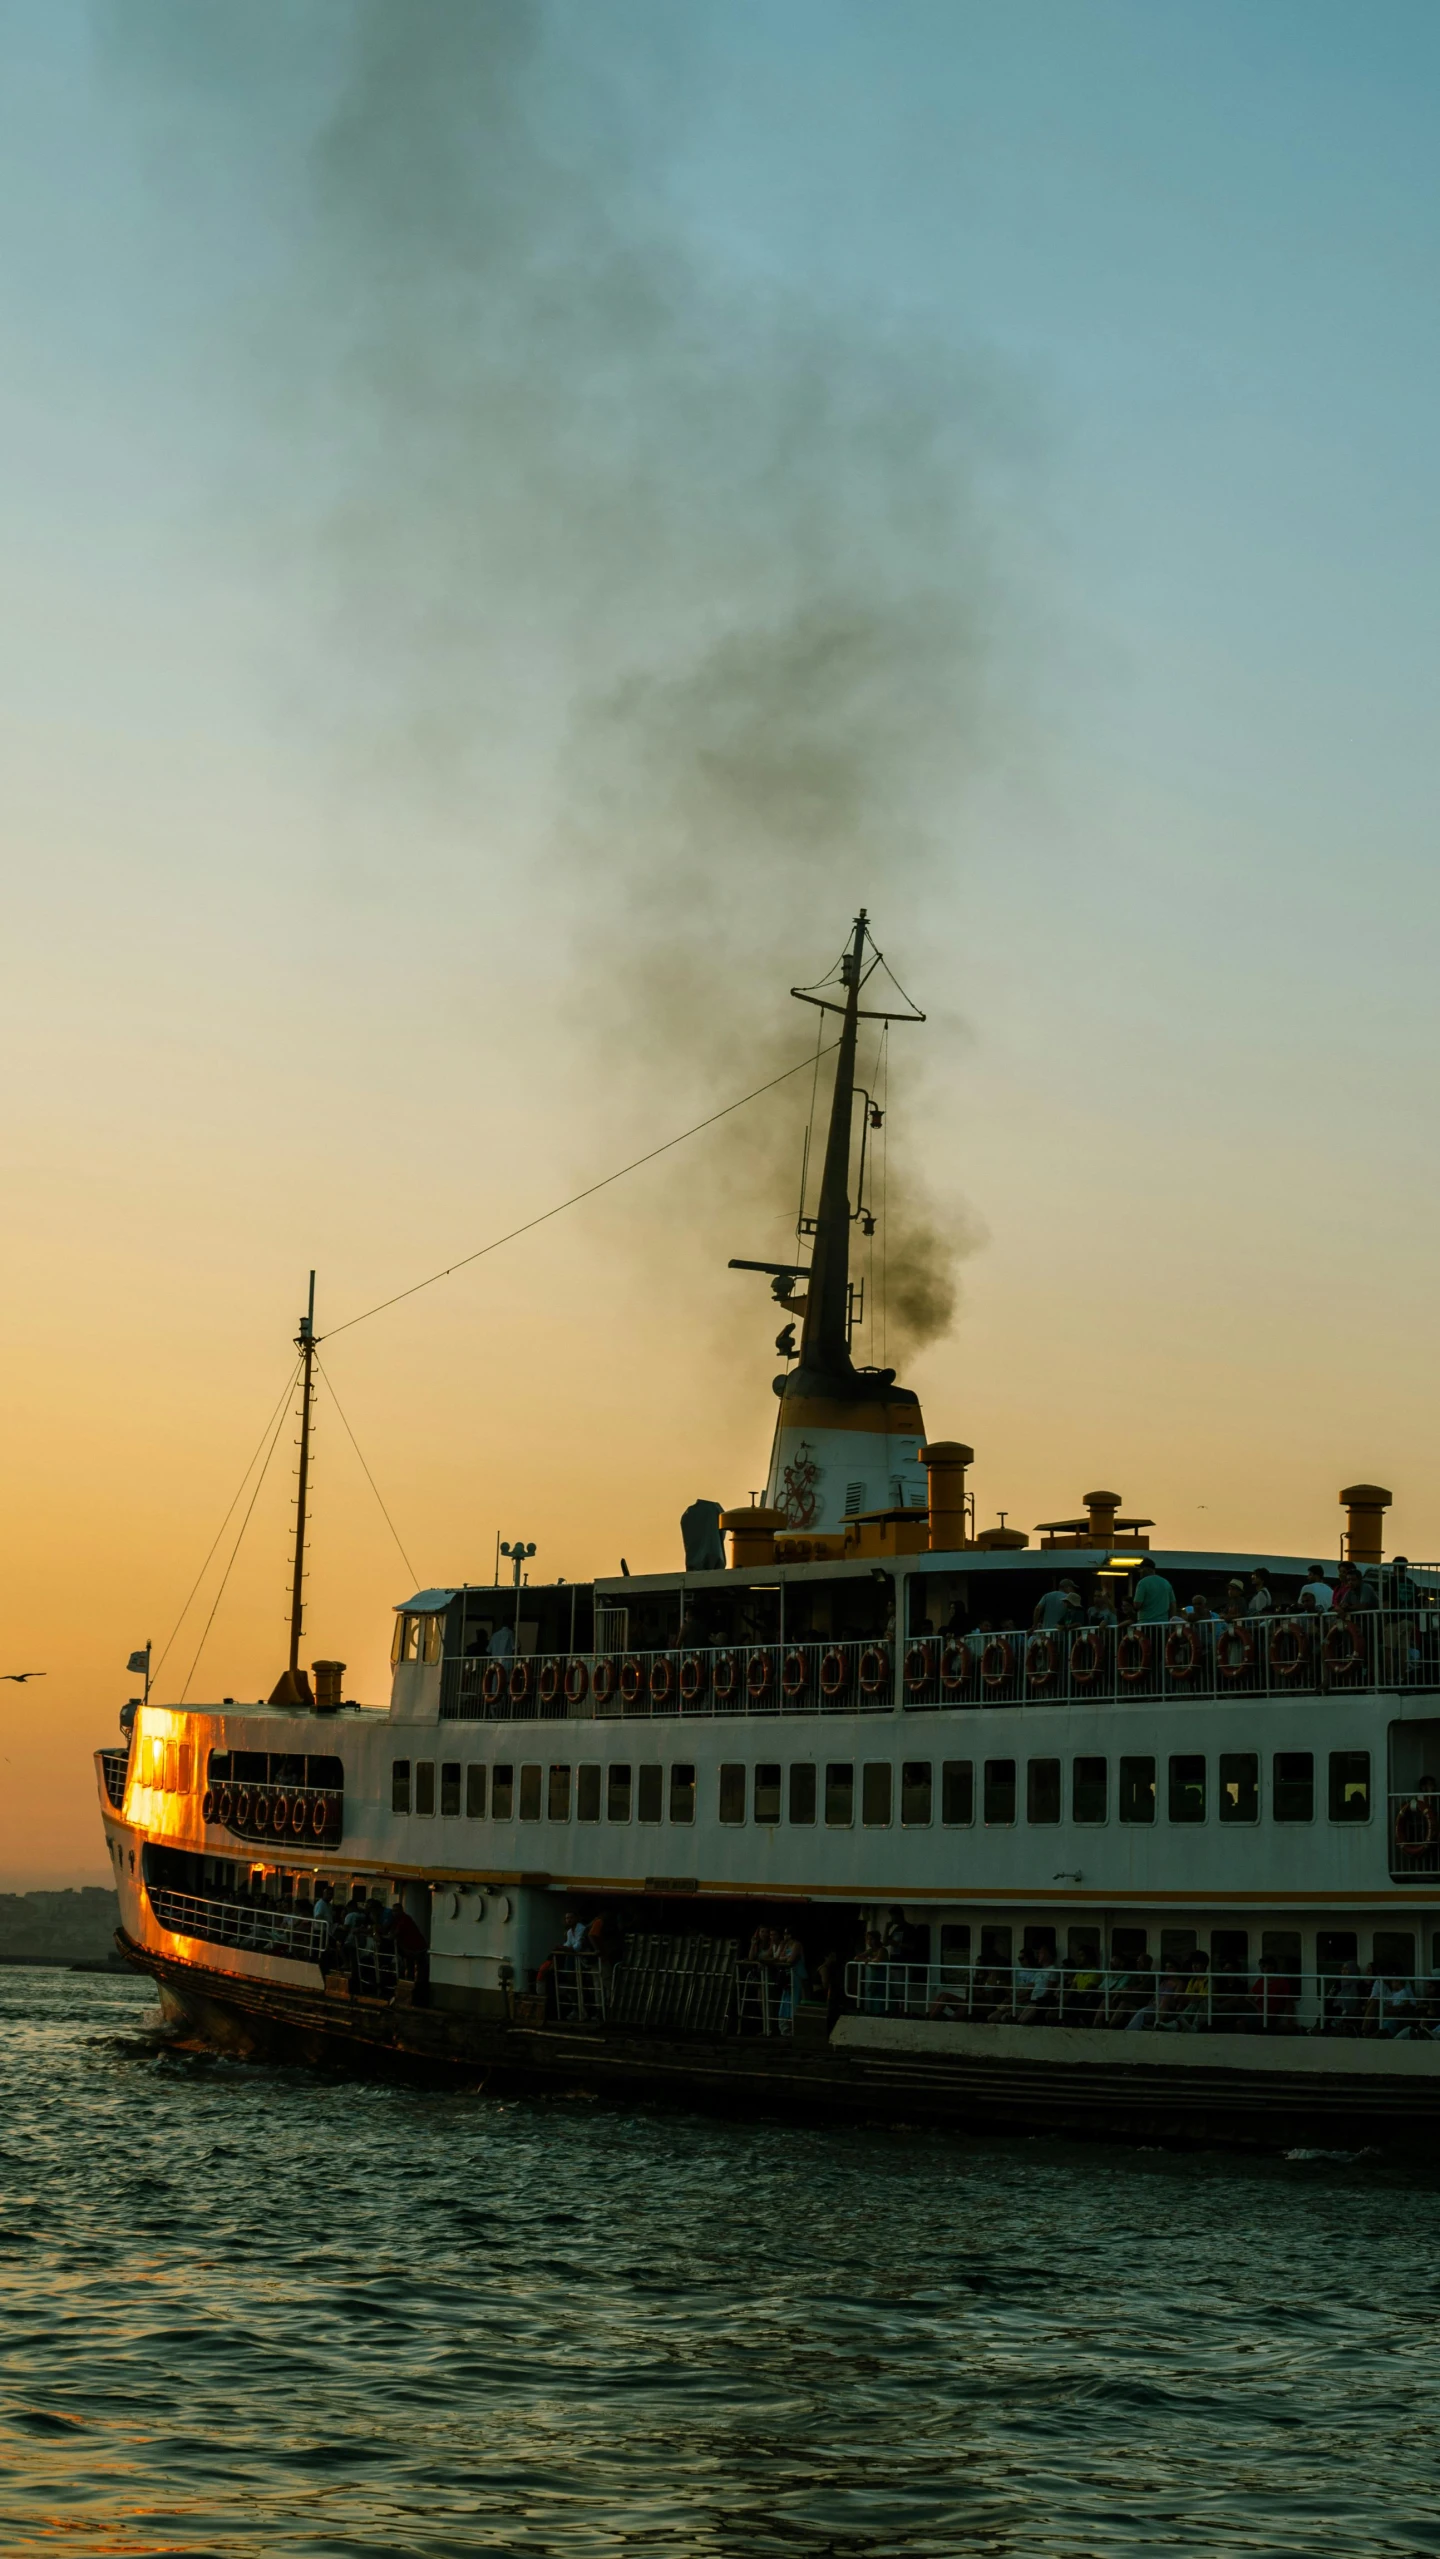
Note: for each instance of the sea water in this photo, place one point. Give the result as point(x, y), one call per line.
point(264, 2311)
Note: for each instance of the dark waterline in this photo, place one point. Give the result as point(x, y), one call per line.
point(254, 2311)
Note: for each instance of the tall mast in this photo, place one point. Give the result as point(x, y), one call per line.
point(305, 1345)
point(824, 1344)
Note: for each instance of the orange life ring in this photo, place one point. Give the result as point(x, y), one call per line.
point(1142, 1636)
point(1231, 1632)
point(244, 1806)
point(207, 1805)
point(260, 1811)
point(280, 1815)
point(757, 1675)
point(1426, 1839)
point(832, 1672)
point(320, 1817)
point(519, 1682)
point(1041, 1649)
point(299, 1817)
point(872, 1669)
point(547, 1686)
point(1352, 1655)
point(1289, 1626)
point(577, 1680)
point(1175, 1636)
point(662, 1679)
point(955, 1667)
point(692, 1679)
point(602, 1680)
point(794, 1672)
point(722, 1678)
point(224, 1807)
point(917, 1665)
point(632, 1680)
point(1001, 1646)
point(492, 1681)
point(1091, 1637)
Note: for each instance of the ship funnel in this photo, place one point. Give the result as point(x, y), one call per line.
point(945, 1461)
point(1365, 1508)
point(752, 1534)
point(329, 1680)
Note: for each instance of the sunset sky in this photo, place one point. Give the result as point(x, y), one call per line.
point(516, 520)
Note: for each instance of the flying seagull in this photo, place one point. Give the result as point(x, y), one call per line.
point(20, 1676)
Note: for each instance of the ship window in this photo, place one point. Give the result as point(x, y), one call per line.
point(430, 1648)
point(767, 1791)
point(502, 1793)
point(530, 1776)
point(1187, 1788)
point(397, 1641)
point(399, 1785)
point(1239, 1796)
point(957, 1792)
point(412, 1638)
point(1137, 1790)
point(955, 1941)
point(1392, 1949)
point(1230, 1950)
point(1349, 1785)
point(1177, 1946)
point(1082, 1946)
point(424, 1785)
point(1000, 1791)
point(682, 1793)
point(839, 1793)
point(1090, 1786)
point(915, 1793)
point(1334, 1947)
point(1294, 1794)
point(1282, 1946)
point(995, 1944)
point(557, 1804)
point(475, 1794)
point(185, 1768)
point(650, 1793)
point(167, 1776)
point(732, 1792)
point(218, 1765)
point(1042, 1790)
point(617, 1792)
point(802, 1790)
point(1129, 1945)
point(876, 1784)
point(587, 1791)
point(450, 1786)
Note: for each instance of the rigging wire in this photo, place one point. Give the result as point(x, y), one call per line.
point(235, 1549)
point(369, 1478)
point(574, 1200)
point(285, 1395)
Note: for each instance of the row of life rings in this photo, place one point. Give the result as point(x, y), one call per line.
point(271, 1812)
point(995, 1662)
point(726, 1674)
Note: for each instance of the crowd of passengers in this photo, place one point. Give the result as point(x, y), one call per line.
point(371, 1940)
point(1181, 1997)
point(1150, 1600)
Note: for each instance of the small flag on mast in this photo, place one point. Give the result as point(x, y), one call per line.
point(139, 1661)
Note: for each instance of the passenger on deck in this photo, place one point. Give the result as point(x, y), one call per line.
point(1058, 1606)
point(1154, 1596)
point(1037, 1989)
point(1261, 1602)
point(1316, 1589)
point(1349, 1591)
point(1102, 1604)
point(789, 1954)
point(1348, 2000)
point(577, 1931)
point(1275, 1995)
point(323, 1918)
point(501, 1644)
point(605, 1939)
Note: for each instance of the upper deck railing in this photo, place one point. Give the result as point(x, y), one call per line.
point(1185, 1997)
point(1284, 1655)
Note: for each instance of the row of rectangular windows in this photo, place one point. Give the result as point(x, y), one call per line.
point(625, 1792)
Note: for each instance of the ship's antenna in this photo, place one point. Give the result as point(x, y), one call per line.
point(294, 1688)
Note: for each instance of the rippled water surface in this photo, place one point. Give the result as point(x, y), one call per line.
point(253, 2311)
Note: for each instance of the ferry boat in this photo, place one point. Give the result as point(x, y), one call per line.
point(858, 1808)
